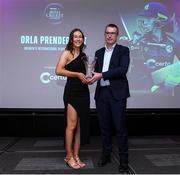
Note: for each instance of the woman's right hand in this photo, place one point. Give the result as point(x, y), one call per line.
point(83, 78)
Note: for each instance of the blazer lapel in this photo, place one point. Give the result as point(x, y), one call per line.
point(101, 58)
point(113, 56)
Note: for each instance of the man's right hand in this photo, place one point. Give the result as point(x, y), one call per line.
point(96, 76)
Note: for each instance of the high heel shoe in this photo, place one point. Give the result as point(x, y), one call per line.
point(71, 162)
point(79, 162)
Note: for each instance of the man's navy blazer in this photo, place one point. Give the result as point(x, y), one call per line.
point(116, 73)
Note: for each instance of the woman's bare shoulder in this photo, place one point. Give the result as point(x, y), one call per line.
point(66, 54)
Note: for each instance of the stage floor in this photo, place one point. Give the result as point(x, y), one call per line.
point(44, 155)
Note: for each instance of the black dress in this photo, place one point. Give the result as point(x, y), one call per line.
point(77, 95)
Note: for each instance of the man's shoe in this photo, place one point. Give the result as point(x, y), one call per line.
point(104, 160)
point(123, 168)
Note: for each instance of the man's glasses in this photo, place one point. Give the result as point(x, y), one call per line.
point(110, 33)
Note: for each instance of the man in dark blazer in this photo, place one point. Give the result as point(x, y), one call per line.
point(111, 95)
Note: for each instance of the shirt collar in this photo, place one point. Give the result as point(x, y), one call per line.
point(110, 49)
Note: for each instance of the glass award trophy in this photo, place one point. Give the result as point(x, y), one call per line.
point(89, 62)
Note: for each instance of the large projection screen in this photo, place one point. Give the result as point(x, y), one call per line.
point(33, 34)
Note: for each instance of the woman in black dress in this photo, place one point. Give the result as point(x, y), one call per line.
point(76, 97)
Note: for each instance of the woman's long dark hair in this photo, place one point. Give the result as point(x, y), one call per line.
point(69, 45)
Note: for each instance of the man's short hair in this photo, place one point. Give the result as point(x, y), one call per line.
point(113, 25)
